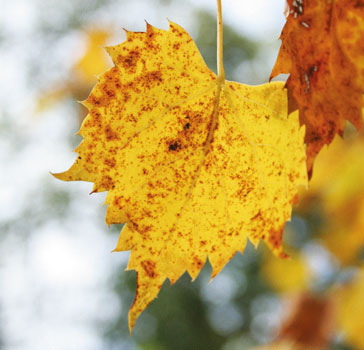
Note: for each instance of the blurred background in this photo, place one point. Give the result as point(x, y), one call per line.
point(61, 288)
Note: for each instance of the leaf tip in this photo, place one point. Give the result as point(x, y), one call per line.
point(131, 324)
point(148, 26)
point(215, 271)
point(109, 49)
point(174, 26)
point(64, 176)
point(171, 23)
point(94, 189)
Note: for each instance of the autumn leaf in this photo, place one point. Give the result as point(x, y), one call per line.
point(350, 310)
point(323, 51)
point(288, 275)
point(195, 165)
point(94, 61)
point(337, 184)
point(308, 322)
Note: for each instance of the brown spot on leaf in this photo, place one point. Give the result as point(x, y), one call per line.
point(129, 62)
point(173, 146)
point(111, 162)
point(149, 268)
point(111, 134)
point(95, 119)
point(155, 76)
point(107, 182)
point(98, 101)
point(197, 262)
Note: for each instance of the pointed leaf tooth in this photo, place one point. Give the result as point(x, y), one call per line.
point(219, 261)
point(149, 28)
point(125, 241)
point(147, 291)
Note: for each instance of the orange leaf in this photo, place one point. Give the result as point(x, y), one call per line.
point(308, 322)
point(323, 50)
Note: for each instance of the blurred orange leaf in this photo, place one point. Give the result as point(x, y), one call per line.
point(308, 322)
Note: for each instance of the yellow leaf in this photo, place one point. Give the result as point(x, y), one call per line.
point(344, 234)
point(338, 172)
point(83, 76)
point(194, 165)
point(338, 183)
point(291, 275)
point(94, 61)
point(350, 311)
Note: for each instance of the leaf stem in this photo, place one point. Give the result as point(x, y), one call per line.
point(220, 64)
